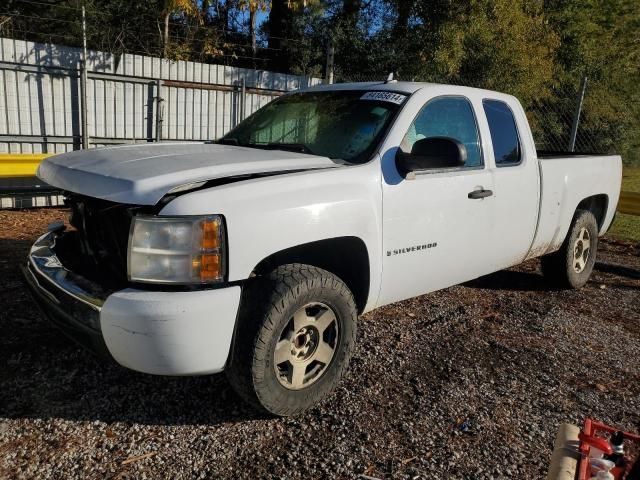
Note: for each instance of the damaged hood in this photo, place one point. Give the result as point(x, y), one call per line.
point(143, 174)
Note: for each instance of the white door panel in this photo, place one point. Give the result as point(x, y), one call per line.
point(516, 210)
point(517, 188)
point(434, 235)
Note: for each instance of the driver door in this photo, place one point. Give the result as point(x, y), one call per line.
point(435, 231)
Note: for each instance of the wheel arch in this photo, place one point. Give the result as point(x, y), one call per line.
point(346, 257)
point(597, 205)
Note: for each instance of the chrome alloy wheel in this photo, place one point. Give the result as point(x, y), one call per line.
point(581, 250)
point(306, 346)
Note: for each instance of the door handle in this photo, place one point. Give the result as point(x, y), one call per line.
point(482, 193)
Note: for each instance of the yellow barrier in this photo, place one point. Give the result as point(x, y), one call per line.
point(20, 164)
point(25, 165)
point(629, 203)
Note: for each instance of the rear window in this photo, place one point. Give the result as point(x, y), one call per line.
point(504, 132)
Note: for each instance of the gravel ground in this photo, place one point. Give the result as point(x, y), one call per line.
point(469, 382)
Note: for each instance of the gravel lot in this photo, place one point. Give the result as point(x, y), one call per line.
point(504, 353)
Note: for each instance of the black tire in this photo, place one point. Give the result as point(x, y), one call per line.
point(266, 314)
point(561, 268)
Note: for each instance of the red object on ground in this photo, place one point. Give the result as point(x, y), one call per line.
point(596, 442)
point(588, 439)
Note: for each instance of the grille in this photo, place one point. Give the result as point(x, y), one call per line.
point(102, 235)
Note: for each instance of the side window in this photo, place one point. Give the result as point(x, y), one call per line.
point(447, 117)
point(504, 132)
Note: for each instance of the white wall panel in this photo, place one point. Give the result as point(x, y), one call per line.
point(44, 104)
point(3, 104)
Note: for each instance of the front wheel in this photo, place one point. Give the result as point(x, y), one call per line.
point(571, 266)
point(295, 338)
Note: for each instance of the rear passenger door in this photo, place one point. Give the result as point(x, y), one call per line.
point(516, 182)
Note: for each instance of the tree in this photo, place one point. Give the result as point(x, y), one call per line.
point(253, 6)
point(600, 40)
point(287, 29)
point(497, 44)
point(174, 7)
point(404, 9)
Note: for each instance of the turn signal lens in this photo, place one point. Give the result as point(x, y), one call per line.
point(210, 267)
point(210, 234)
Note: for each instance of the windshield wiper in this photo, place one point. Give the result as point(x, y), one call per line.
point(293, 147)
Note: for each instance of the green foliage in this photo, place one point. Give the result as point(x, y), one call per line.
point(500, 45)
point(601, 40)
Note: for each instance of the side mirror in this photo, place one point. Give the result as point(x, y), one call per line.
point(433, 152)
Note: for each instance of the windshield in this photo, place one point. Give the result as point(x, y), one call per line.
point(344, 125)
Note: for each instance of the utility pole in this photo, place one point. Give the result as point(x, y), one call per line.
point(329, 70)
point(576, 115)
point(83, 82)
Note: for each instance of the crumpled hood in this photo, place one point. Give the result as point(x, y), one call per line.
point(143, 174)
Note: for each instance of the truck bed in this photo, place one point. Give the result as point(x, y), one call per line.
point(566, 181)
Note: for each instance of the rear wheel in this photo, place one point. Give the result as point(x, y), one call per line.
point(571, 266)
point(295, 337)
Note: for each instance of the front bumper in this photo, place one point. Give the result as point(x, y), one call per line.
point(163, 333)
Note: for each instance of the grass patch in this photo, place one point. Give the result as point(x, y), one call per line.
point(628, 226)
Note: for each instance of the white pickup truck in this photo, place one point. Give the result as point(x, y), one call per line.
point(256, 253)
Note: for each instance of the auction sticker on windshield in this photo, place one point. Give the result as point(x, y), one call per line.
point(392, 97)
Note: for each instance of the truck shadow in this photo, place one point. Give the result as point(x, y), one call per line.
point(533, 281)
point(618, 270)
point(514, 280)
point(45, 375)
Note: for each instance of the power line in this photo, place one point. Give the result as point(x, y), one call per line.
point(89, 12)
point(148, 53)
point(56, 5)
point(49, 19)
point(154, 19)
point(172, 37)
point(175, 37)
point(78, 9)
point(46, 34)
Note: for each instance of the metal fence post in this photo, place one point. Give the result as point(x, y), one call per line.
point(243, 99)
point(159, 112)
point(83, 83)
point(576, 116)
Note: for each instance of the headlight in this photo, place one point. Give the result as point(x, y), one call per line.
point(176, 249)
